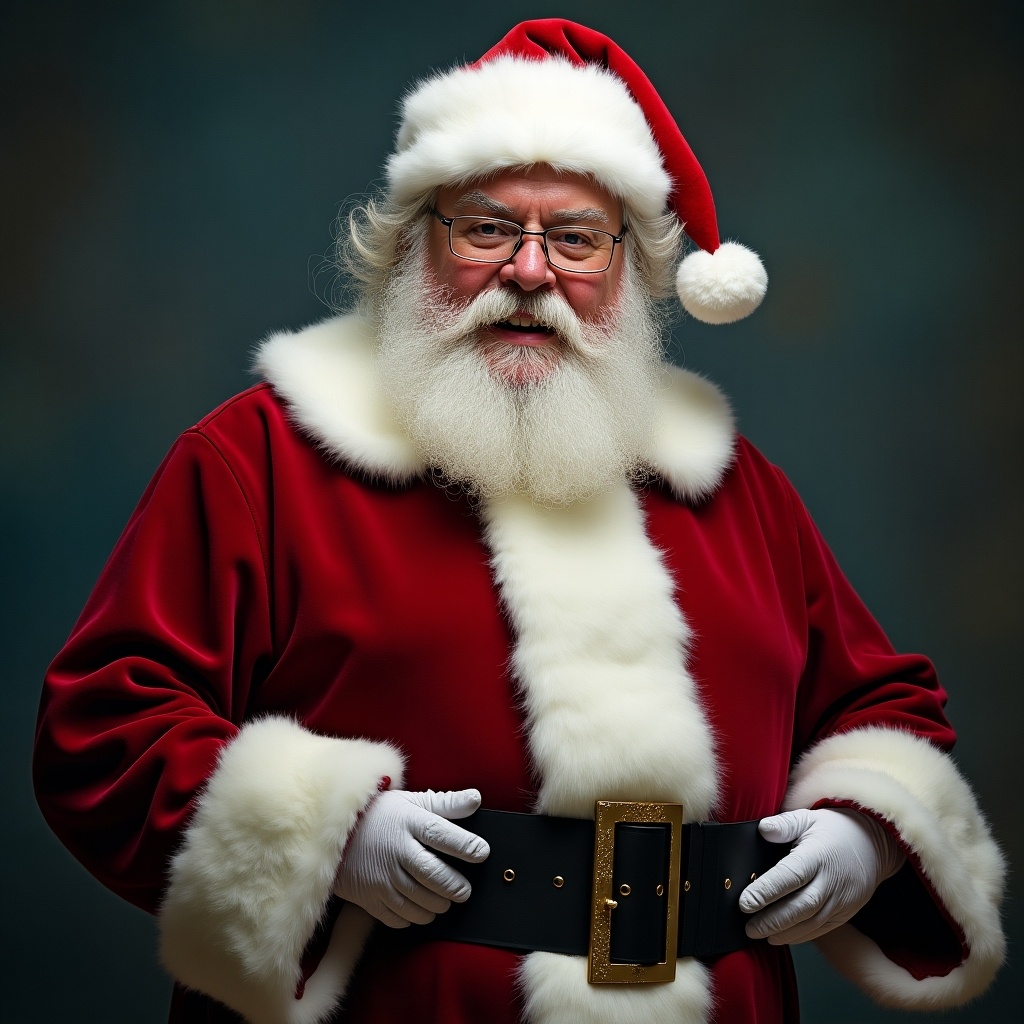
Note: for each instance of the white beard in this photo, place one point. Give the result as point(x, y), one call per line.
point(581, 423)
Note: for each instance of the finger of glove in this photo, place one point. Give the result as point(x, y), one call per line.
point(787, 826)
point(793, 910)
point(793, 872)
point(453, 803)
point(437, 875)
point(837, 904)
point(386, 915)
point(411, 911)
point(807, 931)
point(403, 898)
point(408, 888)
point(442, 835)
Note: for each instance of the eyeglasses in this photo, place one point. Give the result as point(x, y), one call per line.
point(574, 248)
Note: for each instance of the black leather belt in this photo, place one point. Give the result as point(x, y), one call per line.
point(564, 885)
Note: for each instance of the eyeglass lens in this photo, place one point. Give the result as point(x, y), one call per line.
point(571, 248)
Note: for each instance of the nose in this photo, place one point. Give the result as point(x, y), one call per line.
point(529, 267)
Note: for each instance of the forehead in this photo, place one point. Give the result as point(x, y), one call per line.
point(540, 191)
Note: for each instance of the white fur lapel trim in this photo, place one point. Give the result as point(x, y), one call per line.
point(600, 656)
point(327, 376)
point(611, 709)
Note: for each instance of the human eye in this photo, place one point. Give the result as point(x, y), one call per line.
point(485, 233)
point(578, 243)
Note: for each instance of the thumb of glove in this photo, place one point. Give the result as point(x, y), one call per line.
point(785, 827)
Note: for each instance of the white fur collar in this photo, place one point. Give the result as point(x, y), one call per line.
point(327, 376)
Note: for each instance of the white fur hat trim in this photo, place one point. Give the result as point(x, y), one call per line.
point(513, 112)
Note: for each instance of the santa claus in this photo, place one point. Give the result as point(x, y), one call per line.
point(474, 543)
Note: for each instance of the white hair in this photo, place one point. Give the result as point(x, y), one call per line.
point(375, 234)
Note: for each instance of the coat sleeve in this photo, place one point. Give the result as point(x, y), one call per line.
point(874, 737)
point(150, 770)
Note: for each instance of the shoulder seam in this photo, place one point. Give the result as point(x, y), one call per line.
point(214, 414)
point(199, 433)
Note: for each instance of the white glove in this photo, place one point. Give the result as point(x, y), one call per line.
point(840, 857)
point(388, 868)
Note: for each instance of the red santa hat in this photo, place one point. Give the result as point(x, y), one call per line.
point(554, 92)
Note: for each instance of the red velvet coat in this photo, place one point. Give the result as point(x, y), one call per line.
point(294, 612)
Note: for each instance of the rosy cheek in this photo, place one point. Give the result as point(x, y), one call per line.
point(586, 300)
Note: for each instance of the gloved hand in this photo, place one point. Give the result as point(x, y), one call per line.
point(388, 868)
point(838, 861)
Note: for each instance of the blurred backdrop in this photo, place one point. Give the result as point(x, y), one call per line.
point(170, 172)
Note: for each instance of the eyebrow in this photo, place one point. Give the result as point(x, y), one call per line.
point(589, 214)
point(476, 198)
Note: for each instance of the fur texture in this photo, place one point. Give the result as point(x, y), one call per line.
point(468, 122)
point(327, 374)
point(694, 437)
point(557, 992)
point(918, 789)
point(601, 656)
point(573, 666)
point(610, 707)
point(257, 867)
point(723, 286)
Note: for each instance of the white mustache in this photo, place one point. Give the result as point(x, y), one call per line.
point(451, 325)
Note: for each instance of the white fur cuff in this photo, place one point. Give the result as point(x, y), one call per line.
point(257, 867)
point(918, 789)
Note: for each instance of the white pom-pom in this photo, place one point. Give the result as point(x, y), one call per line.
point(722, 286)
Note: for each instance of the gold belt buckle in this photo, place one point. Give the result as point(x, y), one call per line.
point(607, 813)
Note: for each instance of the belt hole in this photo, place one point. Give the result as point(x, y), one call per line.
point(624, 890)
point(686, 886)
point(660, 890)
point(558, 881)
point(728, 883)
point(509, 875)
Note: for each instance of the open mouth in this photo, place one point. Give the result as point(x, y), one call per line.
point(524, 324)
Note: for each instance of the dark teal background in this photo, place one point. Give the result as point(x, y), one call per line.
point(170, 172)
